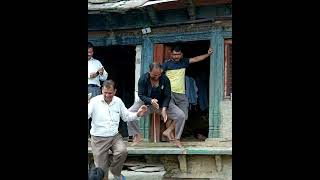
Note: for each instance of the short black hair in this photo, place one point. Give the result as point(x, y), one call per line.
point(96, 173)
point(90, 45)
point(176, 49)
point(154, 65)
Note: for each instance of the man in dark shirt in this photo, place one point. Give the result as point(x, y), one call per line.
point(154, 89)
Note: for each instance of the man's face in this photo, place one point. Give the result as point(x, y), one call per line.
point(90, 53)
point(176, 55)
point(108, 93)
point(155, 74)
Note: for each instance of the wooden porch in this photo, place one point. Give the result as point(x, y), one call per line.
point(199, 148)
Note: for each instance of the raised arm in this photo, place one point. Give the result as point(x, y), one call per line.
point(201, 57)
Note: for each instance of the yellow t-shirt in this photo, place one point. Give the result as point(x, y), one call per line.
point(177, 80)
point(175, 71)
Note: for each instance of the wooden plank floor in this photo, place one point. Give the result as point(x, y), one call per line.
point(201, 148)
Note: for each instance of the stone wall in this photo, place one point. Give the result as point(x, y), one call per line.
point(199, 166)
point(226, 119)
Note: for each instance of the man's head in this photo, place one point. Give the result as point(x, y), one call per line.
point(176, 53)
point(155, 71)
point(108, 90)
point(90, 50)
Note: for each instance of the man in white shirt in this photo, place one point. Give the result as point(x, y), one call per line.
point(96, 73)
point(105, 111)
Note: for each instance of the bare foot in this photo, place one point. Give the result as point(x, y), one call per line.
point(136, 140)
point(167, 134)
point(178, 143)
point(172, 135)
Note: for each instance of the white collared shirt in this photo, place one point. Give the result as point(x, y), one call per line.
point(93, 66)
point(106, 117)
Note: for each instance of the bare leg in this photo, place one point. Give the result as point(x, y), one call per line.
point(168, 133)
point(172, 134)
point(178, 116)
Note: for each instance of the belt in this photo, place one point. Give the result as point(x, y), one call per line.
point(92, 85)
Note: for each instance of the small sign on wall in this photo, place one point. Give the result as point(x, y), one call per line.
point(146, 30)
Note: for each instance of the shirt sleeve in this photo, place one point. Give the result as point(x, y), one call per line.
point(104, 76)
point(142, 91)
point(185, 62)
point(164, 66)
point(126, 115)
point(167, 92)
point(90, 108)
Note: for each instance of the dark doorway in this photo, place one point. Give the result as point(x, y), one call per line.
point(197, 125)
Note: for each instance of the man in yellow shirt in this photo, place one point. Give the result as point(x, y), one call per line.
point(175, 69)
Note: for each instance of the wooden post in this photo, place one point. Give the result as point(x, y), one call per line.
point(154, 128)
point(182, 163)
point(147, 58)
point(218, 161)
point(158, 56)
point(216, 83)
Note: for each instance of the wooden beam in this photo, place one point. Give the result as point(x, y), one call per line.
point(94, 12)
point(216, 83)
point(158, 56)
point(102, 1)
point(108, 20)
point(117, 6)
point(218, 161)
point(146, 59)
point(152, 15)
point(191, 9)
point(168, 148)
point(212, 2)
point(182, 163)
